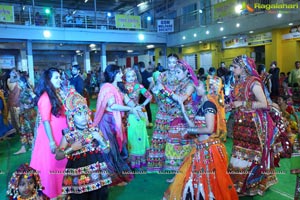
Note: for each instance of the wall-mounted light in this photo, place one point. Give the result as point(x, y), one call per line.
point(47, 34)
point(141, 37)
point(141, 4)
point(150, 46)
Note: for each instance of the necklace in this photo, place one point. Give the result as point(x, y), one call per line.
point(33, 197)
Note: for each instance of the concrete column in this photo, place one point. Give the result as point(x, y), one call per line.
point(23, 62)
point(103, 57)
point(30, 61)
point(87, 61)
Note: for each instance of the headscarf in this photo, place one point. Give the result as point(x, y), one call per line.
point(190, 71)
point(108, 91)
point(26, 172)
point(247, 63)
point(74, 103)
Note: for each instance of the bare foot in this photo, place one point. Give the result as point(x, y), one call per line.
point(122, 184)
point(170, 180)
point(22, 150)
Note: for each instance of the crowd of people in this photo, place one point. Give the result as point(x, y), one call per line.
point(78, 154)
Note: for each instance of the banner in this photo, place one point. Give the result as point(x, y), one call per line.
point(238, 41)
point(223, 9)
point(7, 62)
point(7, 13)
point(165, 25)
point(128, 21)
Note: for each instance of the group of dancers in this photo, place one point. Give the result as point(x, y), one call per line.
point(78, 154)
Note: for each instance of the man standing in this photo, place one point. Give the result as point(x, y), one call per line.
point(77, 80)
point(294, 78)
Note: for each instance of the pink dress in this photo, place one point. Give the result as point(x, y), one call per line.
point(50, 170)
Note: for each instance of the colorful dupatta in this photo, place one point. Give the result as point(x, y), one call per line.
point(108, 91)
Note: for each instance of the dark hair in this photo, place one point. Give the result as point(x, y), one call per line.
point(273, 62)
point(45, 85)
point(260, 68)
point(76, 66)
point(212, 70)
point(173, 55)
point(141, 64)
point(110, 74)
point(297, 62)
point(24, 80)
point(201, 71)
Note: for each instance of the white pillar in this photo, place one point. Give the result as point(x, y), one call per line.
point(75, 60)
point(23, 62)
point(103, 56)
point(87, 61)
point(30, 61)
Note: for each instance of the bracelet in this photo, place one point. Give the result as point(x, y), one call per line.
point(68, 151)
point(52, 143)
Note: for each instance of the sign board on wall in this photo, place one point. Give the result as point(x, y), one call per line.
point(7, 62)
point(239, 41)
point(128, 21)
point(7, 13)
point(261, 38)
point(165, 25)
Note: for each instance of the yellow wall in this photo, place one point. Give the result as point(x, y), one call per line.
point(218, 54)
point(290, 53)
point(285, 52)
point(228, 54)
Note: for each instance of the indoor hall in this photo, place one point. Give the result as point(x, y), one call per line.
point(204, 33)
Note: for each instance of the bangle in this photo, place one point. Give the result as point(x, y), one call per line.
point(68, 151)
point(52, 143)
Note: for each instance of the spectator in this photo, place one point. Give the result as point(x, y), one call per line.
point(38, 19)
point(274, 71)
point(77, 80)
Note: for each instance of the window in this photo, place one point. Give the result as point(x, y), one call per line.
point(189, 13)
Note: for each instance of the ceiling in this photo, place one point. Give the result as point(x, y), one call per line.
point(60, 47)
point(116, 6)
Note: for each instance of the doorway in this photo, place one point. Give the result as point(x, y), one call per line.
point(206, 60)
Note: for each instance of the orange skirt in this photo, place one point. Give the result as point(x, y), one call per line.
point(203, 173)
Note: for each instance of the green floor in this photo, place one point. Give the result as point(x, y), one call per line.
point(144, 186)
